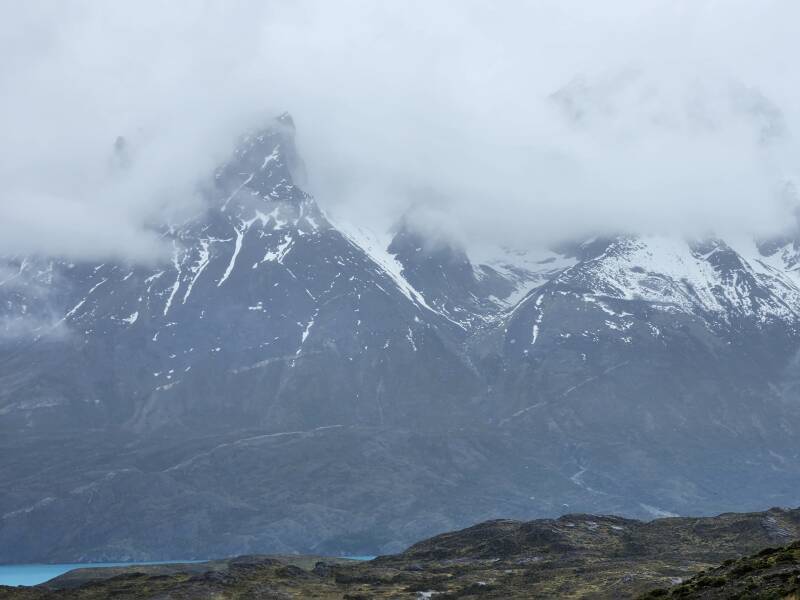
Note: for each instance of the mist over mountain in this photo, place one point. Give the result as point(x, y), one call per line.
point(533, 123)
point(289, 383)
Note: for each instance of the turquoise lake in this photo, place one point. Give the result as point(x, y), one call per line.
point(35, 574)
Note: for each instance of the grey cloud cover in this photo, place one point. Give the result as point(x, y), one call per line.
point(523, 121)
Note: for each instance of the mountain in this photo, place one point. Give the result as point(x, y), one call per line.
point(265, 314)
point(575, 556)
point(285, 383)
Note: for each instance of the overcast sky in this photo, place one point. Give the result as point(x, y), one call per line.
point(512, 121)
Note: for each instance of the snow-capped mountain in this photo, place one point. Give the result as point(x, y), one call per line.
point(470, 293)
point(285, 383)
point(261, 293)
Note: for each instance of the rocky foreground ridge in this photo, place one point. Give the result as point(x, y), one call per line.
point(575, 556)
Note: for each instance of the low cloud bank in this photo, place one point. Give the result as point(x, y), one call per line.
point(523, 122)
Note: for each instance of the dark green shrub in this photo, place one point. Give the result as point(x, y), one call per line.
point(742, 569)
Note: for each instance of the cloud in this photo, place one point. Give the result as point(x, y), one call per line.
point(75, 76)
point(684, 119)
point(28, 309)
point(518, 121)
point(23, 328)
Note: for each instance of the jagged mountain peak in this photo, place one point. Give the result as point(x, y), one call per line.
point(260, 288)
point(286, 119)
point(265, 162)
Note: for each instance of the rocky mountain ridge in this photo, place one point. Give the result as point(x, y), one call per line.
point(325, 391)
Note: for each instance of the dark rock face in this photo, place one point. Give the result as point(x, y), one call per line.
point(281, 384)
point(443, 273)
